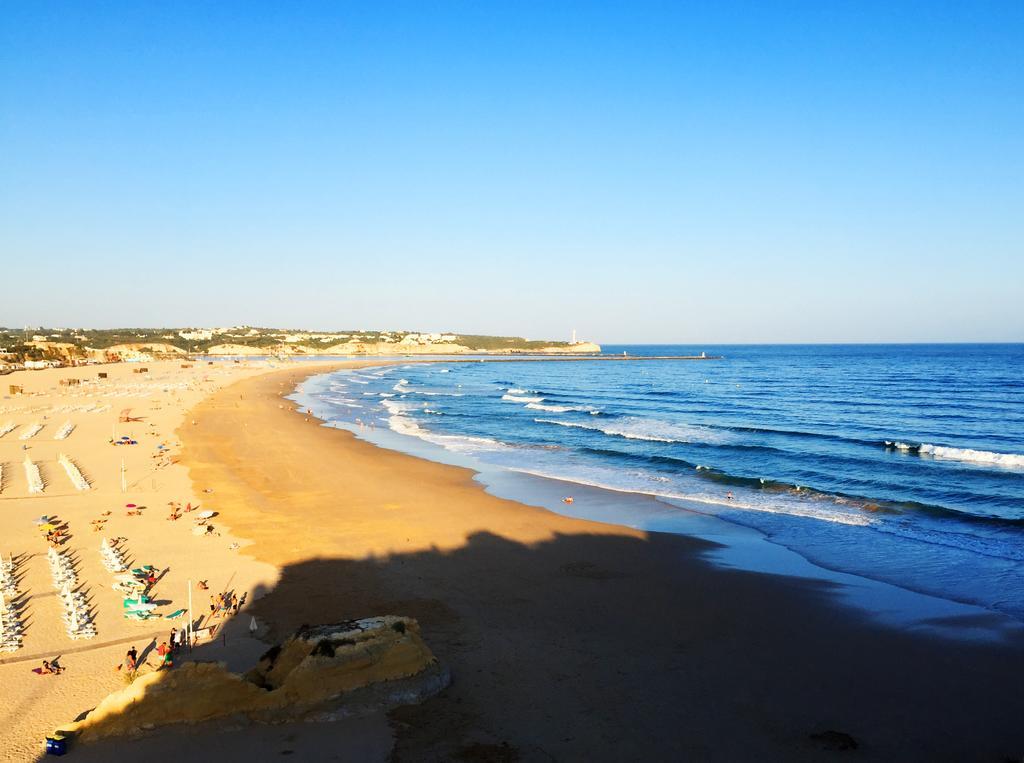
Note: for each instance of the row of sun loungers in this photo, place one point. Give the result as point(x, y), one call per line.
point(62, 569)
point(90, 408)
point(8, 581)
point(74, 473)
point(10, 619)
point(66, 429)
point(35, 480)
point(32, 431)
point(76, 616)
point(112, 557)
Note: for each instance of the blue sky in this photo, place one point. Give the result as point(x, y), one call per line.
point(694, 172)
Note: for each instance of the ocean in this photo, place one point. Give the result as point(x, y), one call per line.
point(897, 463)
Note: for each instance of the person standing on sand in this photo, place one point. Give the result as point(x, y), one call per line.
point(165, 653)
point(131, 660)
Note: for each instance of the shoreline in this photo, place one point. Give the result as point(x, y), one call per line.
point(567, 638)
point(740, 545)
point(384, 531)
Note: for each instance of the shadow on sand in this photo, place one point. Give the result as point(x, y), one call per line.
point(606, 647)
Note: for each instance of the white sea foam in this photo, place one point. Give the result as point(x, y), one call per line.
point(403, 424)
point(653, 430)
point(344, 402)
point(518, 399)
point(972, 456)
point(559, 408)
point(821, 511)
point(397, 407)
point(402, 386)
point(900, 445)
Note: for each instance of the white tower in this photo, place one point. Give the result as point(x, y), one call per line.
point(574, 336)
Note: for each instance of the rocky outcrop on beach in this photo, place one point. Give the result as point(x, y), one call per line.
point(321, 673)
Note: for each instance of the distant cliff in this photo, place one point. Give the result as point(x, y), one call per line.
point(141, 344)
point(393, 348)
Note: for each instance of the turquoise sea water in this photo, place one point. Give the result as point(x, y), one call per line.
point(903, 464)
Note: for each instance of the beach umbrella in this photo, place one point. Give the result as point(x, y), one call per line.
point(207, 514)
point(129, 505)
point(43, 520)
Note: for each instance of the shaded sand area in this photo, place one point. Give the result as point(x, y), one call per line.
point(566, 639)
point(573, 640)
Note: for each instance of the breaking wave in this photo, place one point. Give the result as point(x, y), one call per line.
point(518, 399)
point(633, 428)
point(560, 408)
point(966, 455)
point(403, 424)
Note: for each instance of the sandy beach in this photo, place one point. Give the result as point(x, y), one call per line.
point(155, 402)
point(566, 639)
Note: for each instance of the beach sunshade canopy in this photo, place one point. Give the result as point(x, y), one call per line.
point(207, 514)
point(43, 520)
point(129, 505)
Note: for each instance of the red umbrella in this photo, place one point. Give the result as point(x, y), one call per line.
point(129, 505)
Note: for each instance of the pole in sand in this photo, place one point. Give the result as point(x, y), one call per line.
point(124, 484)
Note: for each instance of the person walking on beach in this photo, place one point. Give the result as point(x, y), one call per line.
point(165, 653)
point(131, 660)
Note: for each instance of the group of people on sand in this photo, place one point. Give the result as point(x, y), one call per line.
point(177, 511)
point(225, 603)
point(165, 651)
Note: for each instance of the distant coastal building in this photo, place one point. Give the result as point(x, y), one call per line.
point(199, 335)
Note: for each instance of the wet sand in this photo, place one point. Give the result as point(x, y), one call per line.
point(574, 640)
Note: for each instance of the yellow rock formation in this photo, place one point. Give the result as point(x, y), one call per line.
point(301, 676)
